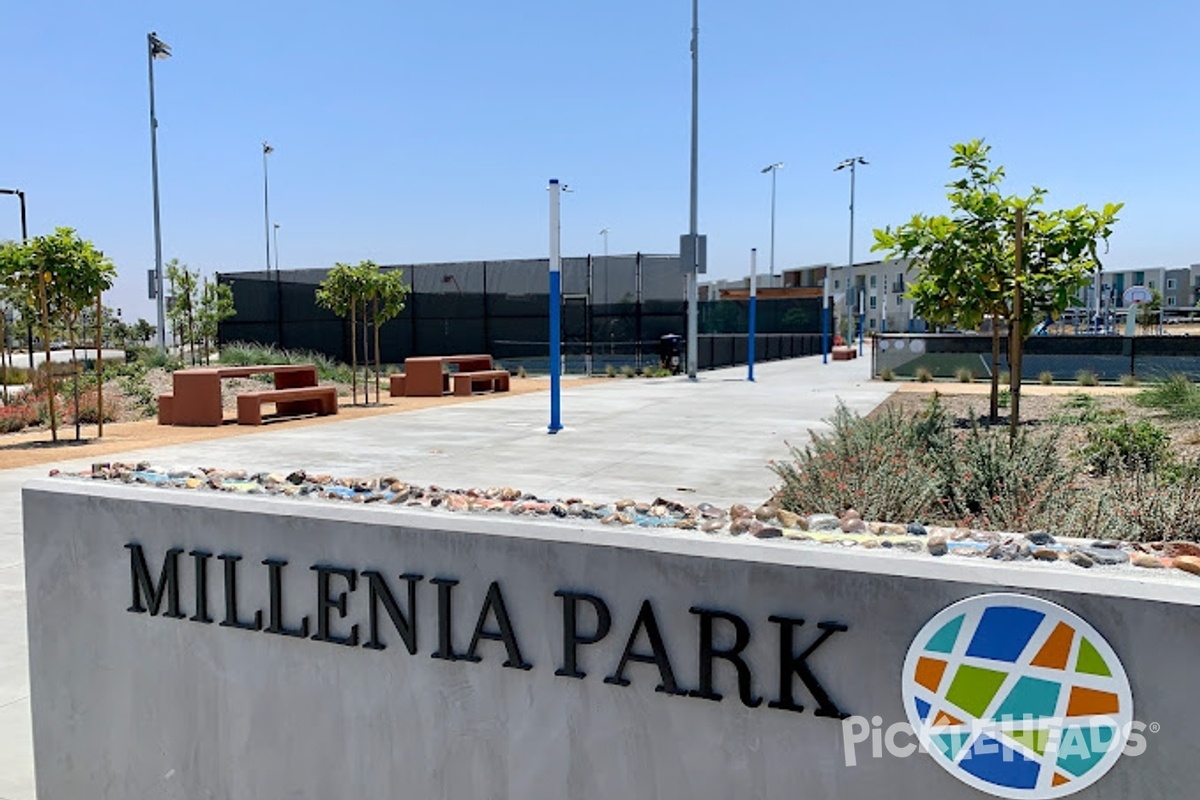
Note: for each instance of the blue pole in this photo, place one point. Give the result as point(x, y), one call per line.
point(753, 309)
point(555, 312)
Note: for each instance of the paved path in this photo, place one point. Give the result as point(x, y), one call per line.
point(705, 440)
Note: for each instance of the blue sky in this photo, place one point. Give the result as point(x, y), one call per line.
point(410, 132)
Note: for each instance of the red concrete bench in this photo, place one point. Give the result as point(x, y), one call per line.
point(320, 400)
point(396, 384)
point(494, 380)
point(844, 353)
point(166, 409)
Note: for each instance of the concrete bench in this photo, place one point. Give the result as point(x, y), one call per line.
point(396, 384)
point(321, 400)
point(494, 380)
point(166, 409)
point(844, 353)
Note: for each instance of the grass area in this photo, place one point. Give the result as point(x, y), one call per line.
point(1175, 394)
point(243, 354)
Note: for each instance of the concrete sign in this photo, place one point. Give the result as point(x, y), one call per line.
point(212, 645)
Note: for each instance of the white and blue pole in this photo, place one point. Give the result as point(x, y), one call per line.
point(753, 310)
point(825, 318)
point(555, 311)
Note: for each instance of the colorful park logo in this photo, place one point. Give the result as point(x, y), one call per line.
point(1017, 696)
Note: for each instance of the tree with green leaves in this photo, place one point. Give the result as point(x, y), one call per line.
point(185, 294)
point(143, 331)
point(1150, 312)
point(66, 274)
point(997, 257)
point(216, 306)
point(342, 292)
point(387, 294)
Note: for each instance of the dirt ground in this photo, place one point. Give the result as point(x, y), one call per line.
point(34, 446)
point(1040, 404)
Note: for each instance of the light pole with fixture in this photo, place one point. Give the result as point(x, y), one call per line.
point(694, 251)
point(157, 48)
point(851, 290)
point(20, 195)
point(773, 169)
point(267, 150)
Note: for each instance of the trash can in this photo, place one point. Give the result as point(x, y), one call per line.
point(670, 349)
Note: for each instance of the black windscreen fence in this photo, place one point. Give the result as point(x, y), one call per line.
point(615, 311)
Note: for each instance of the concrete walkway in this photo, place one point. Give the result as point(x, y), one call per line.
point(707, 440)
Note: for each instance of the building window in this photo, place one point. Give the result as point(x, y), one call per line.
point(1171, 300)
point(1170, 284)
point(837, 284)
point(1151, 284)
point(899, 301)
point(872, 302)
point(871, 324)
point(1139, 278)
point(872, 281)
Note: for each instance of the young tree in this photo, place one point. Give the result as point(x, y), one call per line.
point(997, 257)
point(143, 331)
point(387, 293)
point(185, 291)
point(216, 306)
point(341, 292)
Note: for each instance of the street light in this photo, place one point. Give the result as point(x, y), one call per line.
point(773, 169)
point(693, 269)
point(156, 48)
point(267, 150)
point(20, 195)
point(276, 249)
point(852, 163)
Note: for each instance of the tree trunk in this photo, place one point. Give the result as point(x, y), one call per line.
point(353, 357)
point(1015, 341)
point(46, 348)
point(5, 361)
point(366, 357)
point(73, 336)
point(99, 369)
point(994, 406)
point(378, 364)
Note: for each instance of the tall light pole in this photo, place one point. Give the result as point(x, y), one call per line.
point(20, 195)
point(773, 169)
point(851, 290)
point(276, 249)
point(267, 150)
point(693, 269)
point(156, 48)
point(604, 232)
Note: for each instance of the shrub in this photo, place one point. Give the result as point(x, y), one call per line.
point(1151, 507)
point(87, 410)
point(1176, 394)
point(924, 375)
point(1141, 446)
point(521, 372)
point(610, 371)
point(1005, 378)
point(880, 465)
point(649, 371)
point(628, 371)
point(1045, 377)
point(1004, 398)
point(13, 376)
point(1087, 377)
point(1083, 409)
point(1129, 380)
point(964, 374)
point(17, 417)
point(994, 480)
point(887, 374)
